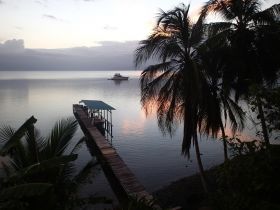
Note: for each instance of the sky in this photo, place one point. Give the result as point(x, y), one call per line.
point(71, 23)
point(52, 34)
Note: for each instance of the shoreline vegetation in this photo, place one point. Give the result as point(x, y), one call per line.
point(188, 192)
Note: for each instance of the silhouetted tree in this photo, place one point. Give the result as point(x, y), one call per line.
point(222, 108)
point(252, 38)
point(176, 85)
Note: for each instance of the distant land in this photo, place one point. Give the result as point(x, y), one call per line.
point(108, 56)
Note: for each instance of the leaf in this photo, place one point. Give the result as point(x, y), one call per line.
point(78, 145)
point(24, 190)
point(13, 141)
point(44, 165)
point(60, 136)
point(6, 132)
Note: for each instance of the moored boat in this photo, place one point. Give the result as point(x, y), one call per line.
point(118, 76)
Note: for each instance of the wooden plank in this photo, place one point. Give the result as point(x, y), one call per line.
point(119, 169)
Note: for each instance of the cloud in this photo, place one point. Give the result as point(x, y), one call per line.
point(1, 2)
point(108, 27)
point(18, 28)
point(43, 3)
point(50, 17)
point(53, 18)
point(106, 56)
point(38, 2)
point(13, 45)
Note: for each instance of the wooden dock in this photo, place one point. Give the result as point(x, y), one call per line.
point(122, 180)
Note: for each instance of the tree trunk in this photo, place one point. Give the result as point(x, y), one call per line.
point(224, 140)
point(263, 124)
point(200, 166)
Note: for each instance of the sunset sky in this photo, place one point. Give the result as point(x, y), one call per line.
point(78, 34)
point(71, 23)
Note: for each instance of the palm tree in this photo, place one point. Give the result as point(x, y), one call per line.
point(176, 85)
point(250, 59)
point(220, 104)
point(41, 168)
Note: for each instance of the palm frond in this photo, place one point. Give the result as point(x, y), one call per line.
point(7, 167)
point(159, 46)
point(6, 132)
point(221, 6)
point(15, 138)
point(236, 112)
point(267, 16)
point(151, 83)
point(43, 166)
point(197, 32)
point(78, 145)
point(60, 137)
point(168, 102)
point(190, 128)
point(24, 190)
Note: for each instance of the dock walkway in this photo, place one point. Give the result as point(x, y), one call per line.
point(122, 180)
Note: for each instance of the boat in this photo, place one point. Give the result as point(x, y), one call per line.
point(118, 76)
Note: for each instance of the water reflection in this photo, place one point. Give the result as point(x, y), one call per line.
point(118, 82)
point(148, 153)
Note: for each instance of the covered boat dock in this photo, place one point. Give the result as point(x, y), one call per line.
point(101, 116)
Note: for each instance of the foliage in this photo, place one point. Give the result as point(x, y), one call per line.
point(248, 181)
point(141, 204)
point(272, 109)
point(250, 39)
point(39, 170)
point(238, 147)
point(175, 85)
point(271, 104)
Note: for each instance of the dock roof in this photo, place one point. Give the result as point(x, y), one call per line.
point(95, 104)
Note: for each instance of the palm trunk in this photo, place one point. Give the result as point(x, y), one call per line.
point(224, 140)
point(263, 124)
point(200, 166)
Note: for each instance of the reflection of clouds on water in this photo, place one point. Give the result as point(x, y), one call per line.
point(134, 124)
point(136, 137)
point(14, 97)
point(130, 126)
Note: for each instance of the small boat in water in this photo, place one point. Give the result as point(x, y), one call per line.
point(118, 76)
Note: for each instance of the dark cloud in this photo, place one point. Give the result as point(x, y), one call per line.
point(50, 17)
point(13, 45)
point(107, 56)
point(1, 2)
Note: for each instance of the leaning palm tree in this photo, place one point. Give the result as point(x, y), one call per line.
point(176, 85)
point(252, 58)
point(38, 168)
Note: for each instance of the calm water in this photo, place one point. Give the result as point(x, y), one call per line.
point(155, 159)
